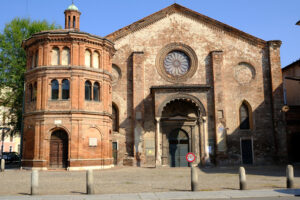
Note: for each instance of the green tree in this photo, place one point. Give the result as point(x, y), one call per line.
point(13, 63)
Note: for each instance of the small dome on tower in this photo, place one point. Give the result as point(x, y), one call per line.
point(72, 7)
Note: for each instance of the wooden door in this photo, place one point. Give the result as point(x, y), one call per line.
point(178, 148)
point(58, 150)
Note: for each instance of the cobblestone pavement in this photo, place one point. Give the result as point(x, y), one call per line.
point(133, 179)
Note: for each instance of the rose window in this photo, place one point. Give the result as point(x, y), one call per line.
point(177, 63)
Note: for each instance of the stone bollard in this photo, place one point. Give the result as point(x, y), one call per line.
point(2, 165)
point(289, 176)
point(242, 176)
point(194, 178)
point(90, 182)
point(34, 182)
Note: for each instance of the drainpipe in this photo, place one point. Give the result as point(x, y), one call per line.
point(2, 140)
point(22, 123)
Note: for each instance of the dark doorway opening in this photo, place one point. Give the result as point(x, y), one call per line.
point(247, 154)
point(115, 152)
point(295, 147)
point(59, 149)
point(178, 148)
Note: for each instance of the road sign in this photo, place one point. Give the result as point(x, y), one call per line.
point(190, 157)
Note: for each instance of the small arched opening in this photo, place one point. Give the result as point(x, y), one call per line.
point(59, 149)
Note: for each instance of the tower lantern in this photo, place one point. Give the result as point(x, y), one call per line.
point(72, 17)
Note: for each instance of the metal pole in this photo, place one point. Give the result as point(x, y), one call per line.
point(2, 140)
point(194, 178)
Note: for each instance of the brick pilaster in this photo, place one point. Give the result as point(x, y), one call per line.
point(137, 98)
point(277, 98)
point(219, 104)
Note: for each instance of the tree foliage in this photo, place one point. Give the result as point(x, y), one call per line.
point(13, 63)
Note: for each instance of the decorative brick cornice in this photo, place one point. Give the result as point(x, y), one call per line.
point(68, 35)
point(274, 43)
point(68, 112)
point(176, 8)
point(73, 69)
point(195, 87)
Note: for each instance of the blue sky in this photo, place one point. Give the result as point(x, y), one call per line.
point(266, 19)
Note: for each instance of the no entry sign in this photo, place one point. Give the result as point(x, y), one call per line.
point(190, 157)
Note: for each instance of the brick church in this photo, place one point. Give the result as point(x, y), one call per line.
point(145, 95)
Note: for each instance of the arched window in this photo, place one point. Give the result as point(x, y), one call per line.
point(55, 56)
point(115, 117)
point(74, 21)
point(30, 92)
point(65, 89)
point(32, 61)
point(34, 92)
point(54, 89)
point(96, 91)
point(87, 58)
point(69, 21)
point(96, 60)
point(245, 116)
point(88, 90)
point(65, 56)
point(36, 59)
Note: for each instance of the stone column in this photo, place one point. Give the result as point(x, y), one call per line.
point(198, 140)
point(158, 143)
point(205, 135)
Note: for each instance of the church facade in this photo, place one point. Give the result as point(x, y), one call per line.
point(146, 95)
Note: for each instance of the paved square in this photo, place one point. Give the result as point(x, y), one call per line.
point(139, 180)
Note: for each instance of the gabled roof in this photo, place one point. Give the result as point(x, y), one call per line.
point(293, 64)
point(176, 8)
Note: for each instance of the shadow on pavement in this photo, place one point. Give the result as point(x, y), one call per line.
point(274, 170)
point(295, 192)
point(75, 192)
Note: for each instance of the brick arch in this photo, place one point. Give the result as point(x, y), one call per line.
point(187, 97)
point(56, 128)
point(98, 129)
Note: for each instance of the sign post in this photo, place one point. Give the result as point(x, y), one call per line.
point(190, 157)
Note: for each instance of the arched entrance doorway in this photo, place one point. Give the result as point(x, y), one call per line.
point(181, 128)
point(59, 149)
point(178, 148)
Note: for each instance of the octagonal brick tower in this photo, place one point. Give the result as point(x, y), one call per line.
point(67, 118)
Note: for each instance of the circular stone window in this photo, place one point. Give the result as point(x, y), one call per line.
point(244, 73)
point(176, 62)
